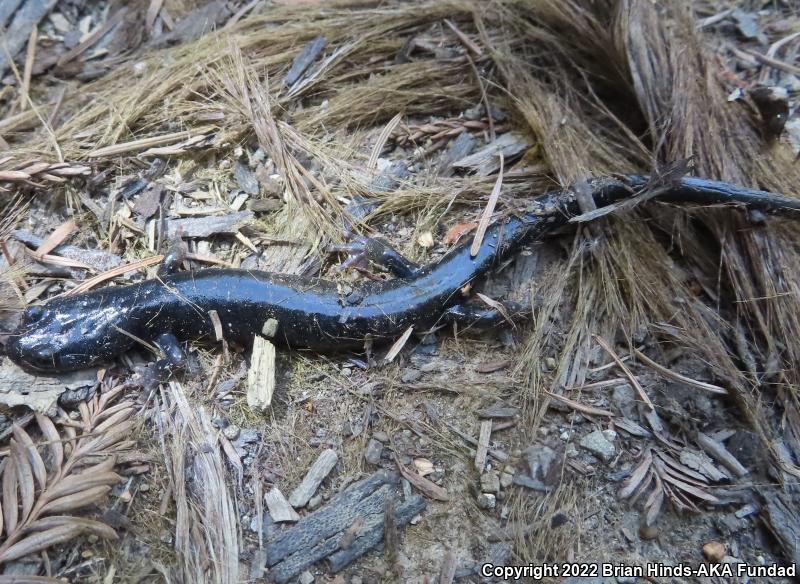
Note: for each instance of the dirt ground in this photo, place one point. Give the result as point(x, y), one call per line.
point(641, 410)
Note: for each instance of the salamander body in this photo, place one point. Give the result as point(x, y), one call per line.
point(74, 332)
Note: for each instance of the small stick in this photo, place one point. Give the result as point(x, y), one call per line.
point(774, 63)
point(465, 40)
point(709, 387)
point(30, 57)
point(580, 407)
point(634, 382)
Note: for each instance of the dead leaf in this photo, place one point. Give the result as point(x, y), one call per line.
point(457, 231)
point(77, 500)
point(426, 487)
point(40, 541)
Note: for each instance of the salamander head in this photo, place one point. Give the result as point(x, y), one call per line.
point(66, 335)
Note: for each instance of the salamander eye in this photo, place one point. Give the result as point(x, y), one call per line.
point(34, 313)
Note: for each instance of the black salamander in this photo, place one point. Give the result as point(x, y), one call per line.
point(80, 331)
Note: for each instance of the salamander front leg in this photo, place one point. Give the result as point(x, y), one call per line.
point(173, 258)
point(174, 356)
point(367, 249)
point(466, 316)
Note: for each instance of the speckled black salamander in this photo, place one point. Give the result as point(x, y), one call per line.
point(75, 332)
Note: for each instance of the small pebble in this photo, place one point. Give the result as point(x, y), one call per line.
point(714, 551)
point(487, 501)
point(231, 432)
point(380, 436)
point(314, 502)
point(306, 577)
point(490, 482)
point(506, 479)
point(598, 444)
point(372, 454)
point(144, 487)
point(648, 531)
point(411, 375)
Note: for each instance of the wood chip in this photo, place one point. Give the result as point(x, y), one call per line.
point(316, 474)
point(718, 452)
point(492, 366)
point(18, 28)
point(423, 485)
point(261, 375)
point(201, 227)
point(485, 161)
point(303, 60)
point(93, 37)
point(483, 444)
point(279, 508)
point(39, 392)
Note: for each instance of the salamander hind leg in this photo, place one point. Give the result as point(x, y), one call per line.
point(367, 249)
point(173, 259)
point(466, 316)
point(174, 357)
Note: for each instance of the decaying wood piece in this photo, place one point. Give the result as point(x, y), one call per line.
point(39, 392)
point(314, 477)
point(780, 514)
point(261, 375)
point(279, 508)
point(373, 532)
point(303, 60)
point(483, 444)
point(97, 258)
point(207, 226)
point(19, 24)
point(343, 530)
point(718, 452)
point(486, 160)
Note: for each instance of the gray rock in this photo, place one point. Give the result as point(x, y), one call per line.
point(490, 482)
point(487, 501)
point(245, 178)
point(373, 452)
point(72, 397)
point(306, 577)
point(598, 444)
point(411, 375)
point(380, 436)
point(231, 432)
point(624, 400)
point(314, 502)
point(506, 478)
